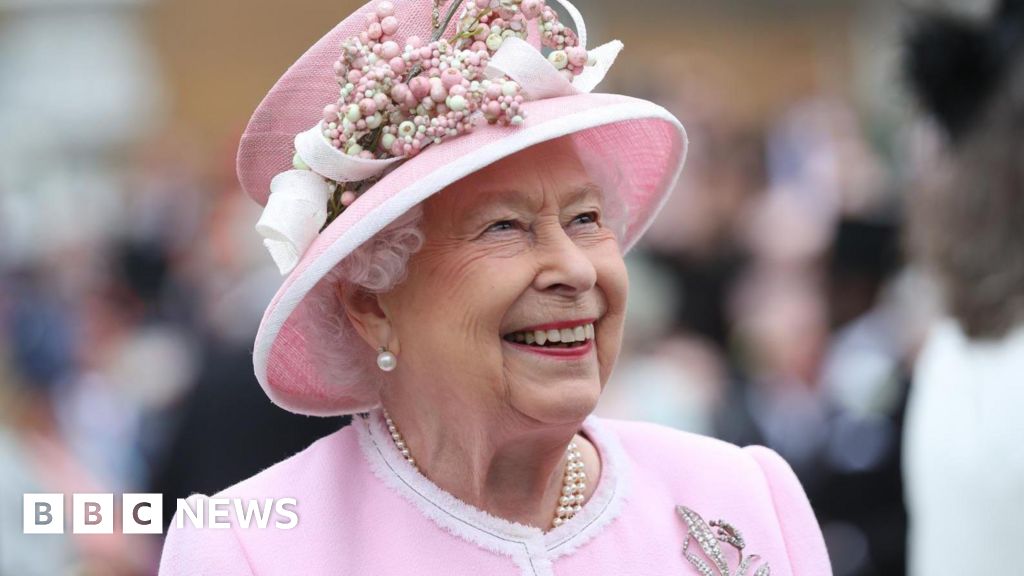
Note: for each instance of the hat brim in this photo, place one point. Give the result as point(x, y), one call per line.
point(643, 139)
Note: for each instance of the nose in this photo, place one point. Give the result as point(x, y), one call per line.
point(565, 268)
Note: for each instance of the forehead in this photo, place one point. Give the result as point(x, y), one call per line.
point(550, 169)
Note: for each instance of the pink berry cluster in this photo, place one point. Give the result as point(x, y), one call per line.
point(396, 98)
point(489, 20)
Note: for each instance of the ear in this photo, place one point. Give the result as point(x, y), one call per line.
point(368, 315)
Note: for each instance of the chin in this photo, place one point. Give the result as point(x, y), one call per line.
point(564, 404)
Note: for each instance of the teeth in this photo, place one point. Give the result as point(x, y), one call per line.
point(565, 335)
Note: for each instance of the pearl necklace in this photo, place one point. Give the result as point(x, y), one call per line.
point(573, 481)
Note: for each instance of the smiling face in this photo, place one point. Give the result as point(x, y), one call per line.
point(518, 250)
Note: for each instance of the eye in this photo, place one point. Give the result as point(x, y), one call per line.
point(586, 218)
point(502, 226)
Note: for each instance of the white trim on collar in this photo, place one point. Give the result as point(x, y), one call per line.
point(530, 548)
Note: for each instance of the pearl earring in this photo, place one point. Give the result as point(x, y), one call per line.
point(386, 360)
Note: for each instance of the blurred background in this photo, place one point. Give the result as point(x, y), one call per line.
point(771, 303)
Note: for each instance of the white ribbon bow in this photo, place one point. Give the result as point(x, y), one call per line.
point(520, 61)
point(297, 207)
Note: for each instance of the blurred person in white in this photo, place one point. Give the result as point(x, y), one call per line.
point(964, 437)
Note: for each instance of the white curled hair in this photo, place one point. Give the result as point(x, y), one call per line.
point(379, 265)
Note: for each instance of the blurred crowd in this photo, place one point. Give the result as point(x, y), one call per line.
point(771, 303)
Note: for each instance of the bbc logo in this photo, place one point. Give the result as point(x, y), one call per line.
point(92, 513)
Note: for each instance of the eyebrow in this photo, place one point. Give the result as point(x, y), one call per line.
point(584, 190)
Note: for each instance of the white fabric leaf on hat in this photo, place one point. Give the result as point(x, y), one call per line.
point(604, 56)
point(293, 216)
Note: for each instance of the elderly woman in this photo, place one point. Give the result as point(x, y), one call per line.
point(453, 227)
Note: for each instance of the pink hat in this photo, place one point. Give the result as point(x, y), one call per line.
point(290, 129)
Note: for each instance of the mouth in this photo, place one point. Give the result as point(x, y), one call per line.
point(553, 336)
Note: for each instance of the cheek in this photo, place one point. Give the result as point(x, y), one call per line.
point(462, 297)
point(613, 282)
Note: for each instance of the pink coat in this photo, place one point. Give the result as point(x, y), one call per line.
point(362, 509)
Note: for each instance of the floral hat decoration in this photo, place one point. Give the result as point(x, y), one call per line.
point(398, 101)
